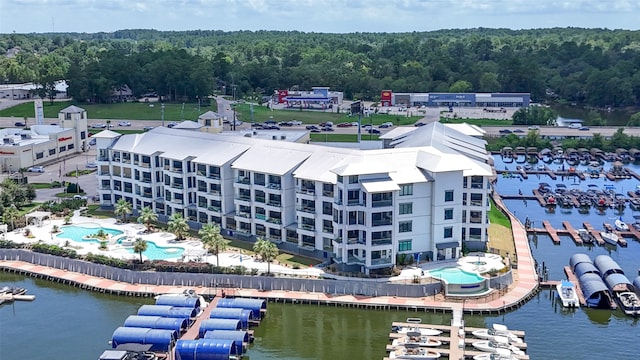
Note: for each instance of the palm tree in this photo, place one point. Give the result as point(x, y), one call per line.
point(267, 250)
point(123, 207)
point(178, 226)
point(10, 215)
point(139, 247)
point(147, 216)
point(213, 240)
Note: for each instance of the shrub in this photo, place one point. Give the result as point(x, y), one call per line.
point(73, 188)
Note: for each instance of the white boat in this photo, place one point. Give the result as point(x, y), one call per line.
point(621, 225)
point(500, 354)
point(629, 303)
point(567, 294)
point(497, 330)
point(411, 351)
point(414, 325)
point(609, 237)
point(498, 342)
point(415, 337)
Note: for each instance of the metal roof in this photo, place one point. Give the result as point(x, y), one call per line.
point(592, 284)
point(585, 268)
point(636, 284)
point(380, 186)
point(618, 282)
point(607, 265)
point(577, 258)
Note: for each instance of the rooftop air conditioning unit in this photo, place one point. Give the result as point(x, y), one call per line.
point(7, 140)
point(275, 137)
point(283, 137)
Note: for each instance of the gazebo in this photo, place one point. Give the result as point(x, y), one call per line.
point(38, 216)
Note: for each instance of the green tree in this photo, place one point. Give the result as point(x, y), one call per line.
point(634, 120)
point(212, 240)
point(123, 208)
point(460, 86)
point(267, 251)
point(139, 247)
point(147, 216)
point(178, 226)
point(10, 215)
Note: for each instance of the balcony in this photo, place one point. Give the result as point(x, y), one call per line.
point(145, 165)
point(276, 221)
point(306, 191)
point(476, 203)
point(146, 180)
point(337, 201)
point(215, 209)
point(202, 189)
point(214, 192)
point(104, 173)
point(261, 217)
point(103, 158)
point(274, 186)
point(243, 180)
point(381, 203)
point(177, 186)
point(306, 209)
point(126, 160)
point(245, 215)
point(214, 176)
point(338, 239)
point(115, 159)
point(147, 195)
point(327, 193)
point(202, 204)
point(381, 223)
point(383, 241)
point(355, 202)
point(476, 185)
point(328, 230)
point(355, 240)
point(274, 203)
point(243, 197)
point(381, 261)
point(307, 227)
point(260, 199)
point(354, 260)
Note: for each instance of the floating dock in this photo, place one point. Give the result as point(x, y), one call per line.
point(455, 339)
point(569, 230)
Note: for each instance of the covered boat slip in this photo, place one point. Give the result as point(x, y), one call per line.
point(257, 306)
point(205, 349)
point(240, 338)
point(179, 300)
point(576, 259)
point(244, 315)
point(596, 293)
point(157, 322)
point(159, 339)
point(607, 265)
point(636, 284)
point(218, 324)
point(167, 311)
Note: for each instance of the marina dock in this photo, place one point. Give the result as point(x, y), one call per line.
point(457, 340)
point(569, 230)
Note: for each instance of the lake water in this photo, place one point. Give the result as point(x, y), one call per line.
point(67, 323)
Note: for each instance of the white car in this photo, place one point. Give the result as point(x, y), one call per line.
point(124, 123)
point(79, 197)
point(99, 126)
point(38, 169)
point(534, 127)
point(92, 165)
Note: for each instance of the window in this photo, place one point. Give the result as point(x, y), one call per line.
point(52, 151)
point(70, 146)
point(406, 208)
point(39, 155)
point(448, 195)
point(404, 245)
point(405, 226)
point(448, 214)
point(62, 149)
point(353, 179)
point(448, 232)
point(406, 189)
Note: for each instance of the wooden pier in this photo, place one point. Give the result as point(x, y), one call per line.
point(569, 230)
point(455, 340)
point(594, 232)
point(572, 232)
point(194, 330)
point(553, 233)
point(572, 277)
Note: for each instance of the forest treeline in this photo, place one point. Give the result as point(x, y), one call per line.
point(593, 67)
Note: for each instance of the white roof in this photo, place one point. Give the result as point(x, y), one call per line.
point(188, 124)
point(380, 186)
point(318, 166)
point(270, 159)
point(107, 134)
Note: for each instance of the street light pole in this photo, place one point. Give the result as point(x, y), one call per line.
point(162, 113)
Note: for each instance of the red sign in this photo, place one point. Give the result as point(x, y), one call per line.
point(65, 138)
point(385, 98)
point(26, 150)
point(6, 153)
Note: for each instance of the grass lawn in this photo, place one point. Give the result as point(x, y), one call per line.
point(80, 172)
point(328, 137)
point(129, 111)
point(28, 208)
point(41, 185)
point(500, 234)
point(262, 114)
point(497, 217)
point(95, 211)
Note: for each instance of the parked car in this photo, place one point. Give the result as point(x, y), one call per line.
point(327, 128)
point(584, 128)
point(19, 124)
point(147, 128)
point(534, 127)
point(315, 130)
point(505, 131)
point(295, 122)
point(172, 124)
point(98, 126)
point(518, 131)
point(92, 142)
point(124, 123)
point(92, 165)
point(384, 126)
point(312, 127)
point(345, 124)
point(419, 124)
point(373, 131)
point(79, 197)
point(38, 169)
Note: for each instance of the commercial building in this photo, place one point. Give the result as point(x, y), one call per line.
point(365, 210)
point(318, 98)
point(488, 100)
point(42, 144)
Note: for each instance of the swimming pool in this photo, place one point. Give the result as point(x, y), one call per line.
point(454, 275)
point(78, 233)
point(155, 252)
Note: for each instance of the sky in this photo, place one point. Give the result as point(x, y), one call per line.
point(326, 16)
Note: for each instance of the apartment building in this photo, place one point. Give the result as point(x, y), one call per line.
point(362, 209)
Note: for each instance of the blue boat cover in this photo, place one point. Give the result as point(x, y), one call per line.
point(607, 265)
point(159, 339)
point(636, 284)
point(167, 311)
point(241, 314)
point(157, 322)
point(591, 284)
point(239, 337)
point(576, 259)
point(255, 305)
point(218, 324)
point(614, 280)
point(178, 300)
point(585, 268)
point(204, 349)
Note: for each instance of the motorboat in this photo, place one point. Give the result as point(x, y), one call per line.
point(497, 330)
point(501, 354)
point(498, 342)
point(413, 351)
point(414, 325)
point(609, 237)
point(586, 236)
point(415, 337)
point(567, 294)
point(629, 303)
point(621, 225)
